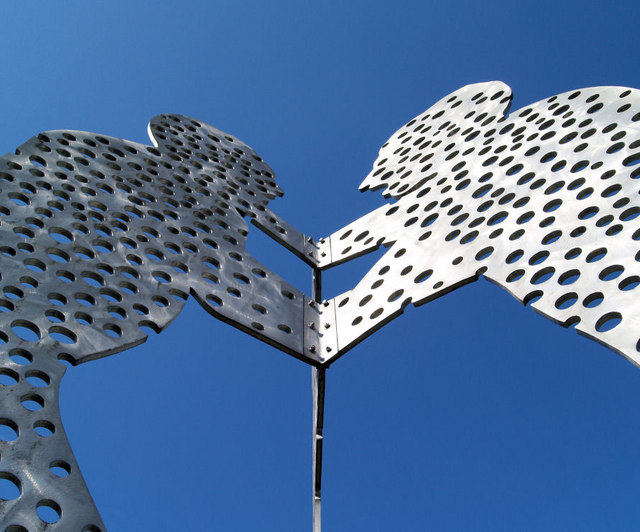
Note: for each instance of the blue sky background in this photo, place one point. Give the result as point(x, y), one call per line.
point(470, 413)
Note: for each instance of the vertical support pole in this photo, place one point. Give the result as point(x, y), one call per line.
point(318, 384)
point(318, 375)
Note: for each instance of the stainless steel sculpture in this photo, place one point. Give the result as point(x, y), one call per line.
point(543, 203)
point(100, 237)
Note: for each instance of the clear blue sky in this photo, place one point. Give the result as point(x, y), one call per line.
point(470, 413)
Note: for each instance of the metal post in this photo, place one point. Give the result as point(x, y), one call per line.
point(318, 385)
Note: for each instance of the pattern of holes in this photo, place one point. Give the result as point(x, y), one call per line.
point(102, 240)
point(543, 202)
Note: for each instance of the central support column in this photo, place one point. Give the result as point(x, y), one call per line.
point(318, 375)
point(318, 384)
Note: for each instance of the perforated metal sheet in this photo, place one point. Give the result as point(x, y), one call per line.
point(102, 238)
point(543, 202)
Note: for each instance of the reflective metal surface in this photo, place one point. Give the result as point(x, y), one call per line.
point(102, 239)
point(543, 202)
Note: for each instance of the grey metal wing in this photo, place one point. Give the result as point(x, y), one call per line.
point(101, 240)
point(543, 202)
